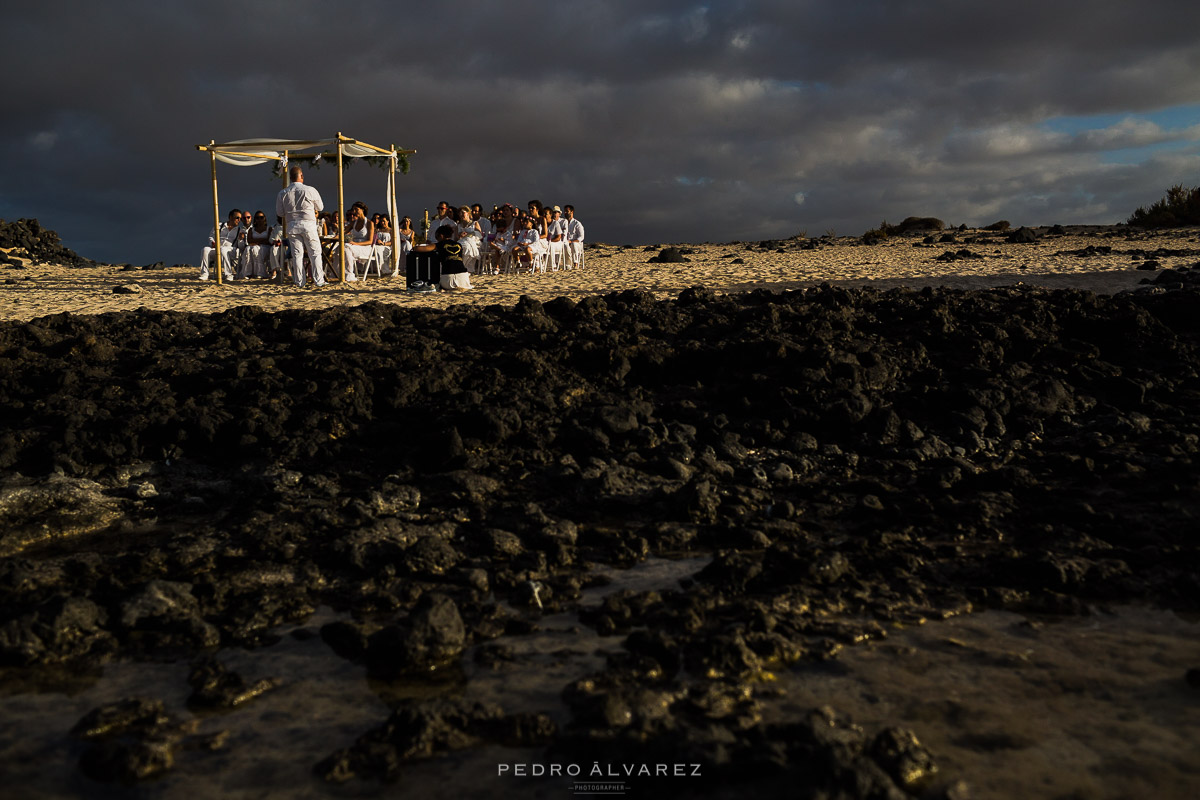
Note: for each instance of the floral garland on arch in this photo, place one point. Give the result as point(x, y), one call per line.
point(314, 161)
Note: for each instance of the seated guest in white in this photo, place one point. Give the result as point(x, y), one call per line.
point(557, 239)
point(383, 242)
point(228, 236)
point(327, 232)
point(239, 257)
point(525, 247)
point(328, 226)
point(558, 225)
point(541, 224)
point(470, 236)
point(258, 242)
point(574, 239)
point(279, 250)
point(485, 224)
point(498, 243)
point(404, 244)
point(445, 216)
point(383, 230)
point(360, 238)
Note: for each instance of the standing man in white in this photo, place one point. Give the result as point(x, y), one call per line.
point(574, 239)
point(299, 205)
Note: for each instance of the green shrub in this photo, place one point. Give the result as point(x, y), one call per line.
point(1180, 207)
point(877, 235)
point(886, 230)
point(874, 236)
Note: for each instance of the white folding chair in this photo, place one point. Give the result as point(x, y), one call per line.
point(513, 265)
point(379, 253)
point(556, 259)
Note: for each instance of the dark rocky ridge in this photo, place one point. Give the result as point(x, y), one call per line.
point(851, 457)
point(39, 243)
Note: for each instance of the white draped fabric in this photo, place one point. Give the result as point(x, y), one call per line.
point(250, 152)
point(358, 151)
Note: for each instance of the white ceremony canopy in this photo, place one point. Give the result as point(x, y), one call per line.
point(251, 152)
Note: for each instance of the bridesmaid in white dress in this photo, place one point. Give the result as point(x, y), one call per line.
point(470, 236)
point(404, 239)
point(360, 239)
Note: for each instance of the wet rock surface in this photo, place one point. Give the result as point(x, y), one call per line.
point(850, 460)
point(135, 740)
point(1183, 277)
point(215, 686)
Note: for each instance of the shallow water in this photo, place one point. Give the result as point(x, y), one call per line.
point(1093, 707)
point(324, 703)
point(1079, 707)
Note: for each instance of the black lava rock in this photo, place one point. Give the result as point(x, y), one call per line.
point(669, 255)
point(40, 243)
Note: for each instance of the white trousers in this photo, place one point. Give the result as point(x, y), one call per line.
point(228, 256)
point(277, 258)
point(575, 254)
point(455, 280)
point(303, 238)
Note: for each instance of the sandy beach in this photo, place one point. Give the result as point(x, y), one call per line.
point(38, 289)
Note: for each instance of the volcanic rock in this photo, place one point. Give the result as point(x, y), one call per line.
point(51, 510)
point(130, 740)
point(669, 255)
point(214, 686)
point(425, 729)
point(1022, 235)
point(41, 244)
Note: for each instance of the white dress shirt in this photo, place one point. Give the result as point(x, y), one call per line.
point(299, 203)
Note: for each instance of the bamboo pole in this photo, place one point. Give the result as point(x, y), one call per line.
point(216, 217)
point(395, 236)
point(341, 206)
point(283, 243)
point(273, 144)
point(308, 145)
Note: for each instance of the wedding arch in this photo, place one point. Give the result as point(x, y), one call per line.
point(283, 152)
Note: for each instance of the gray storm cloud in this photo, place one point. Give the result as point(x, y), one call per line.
point(660, 121)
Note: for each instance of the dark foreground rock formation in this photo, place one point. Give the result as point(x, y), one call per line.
point(849, 458)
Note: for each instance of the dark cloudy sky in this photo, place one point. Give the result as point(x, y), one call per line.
point(659, 121)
